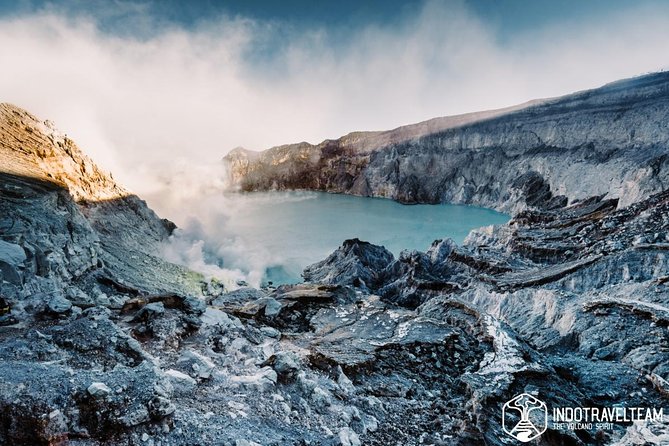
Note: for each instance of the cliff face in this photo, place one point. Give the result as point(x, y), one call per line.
point(72, 218)
point(609, 141)
point(74, 248)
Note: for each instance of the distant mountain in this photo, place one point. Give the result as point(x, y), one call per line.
point(609, 141)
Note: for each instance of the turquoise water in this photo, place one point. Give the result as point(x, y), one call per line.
point(295, 229)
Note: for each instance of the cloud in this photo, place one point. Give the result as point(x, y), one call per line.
point(138, 103)
point(141, 102)
point(160, 107)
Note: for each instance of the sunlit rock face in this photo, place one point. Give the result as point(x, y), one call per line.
point(71, 218)
point(36, 149)
point(609, 141)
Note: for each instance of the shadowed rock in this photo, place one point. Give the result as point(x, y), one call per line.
point(355, 263)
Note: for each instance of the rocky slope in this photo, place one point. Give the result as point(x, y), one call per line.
point(608, 141)
point(584, 289)
point(104, 343)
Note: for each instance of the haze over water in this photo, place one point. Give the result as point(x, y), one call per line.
point(300, 228)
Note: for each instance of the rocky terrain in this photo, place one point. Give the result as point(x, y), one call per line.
point(104, 343)
point(611, 140)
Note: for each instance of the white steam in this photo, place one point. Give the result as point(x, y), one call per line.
point(214, 238)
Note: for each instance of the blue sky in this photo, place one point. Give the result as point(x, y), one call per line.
point(508, 18)
point(151, 87)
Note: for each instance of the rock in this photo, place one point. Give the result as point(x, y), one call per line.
point(582, 150)
point(272, 308)
point(246, 443)
point(187, 304)
point(370, 424)
point(321, 398)
point(12, 254)
point(7, 320)
point(263, 380)
point(98, 390)
point(238, 297)
point(344, 382)
point(355, 263)
point(98, 341)
point(11, 262)
point(160, 407)
point(352, 337)
point(196, 364)
point(59, 305)
point(213, 316)
point(139, 415)
point(347, 437)
point(270, 332)
point(180, 381)
point(298, 303)
point(78, 297)
point(150, 312)
point(286, 364)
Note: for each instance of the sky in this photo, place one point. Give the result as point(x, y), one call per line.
point(158, 91)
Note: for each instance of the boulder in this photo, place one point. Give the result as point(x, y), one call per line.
point(196, 364)
point(348, 437)
point(12, 258)
point(59, 305)
point(98, 390)
point(355, 263)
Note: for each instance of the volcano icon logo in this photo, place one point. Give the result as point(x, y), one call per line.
point(524, 417)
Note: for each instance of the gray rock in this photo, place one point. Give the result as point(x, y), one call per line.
point(344, 382)
point(540, 154)
point(321, 398)
point(59, 305)
point(98, 390)
point(12, 254)
point(285, 363)
point(348, 437)
point(355, 263)
point(196, 364)
point(139, 415)
point(150, 311)
point(246, 443)
point(180, 381)
point(160, 406)
point(213, 316)
point(238, 297)
point(270, 332)
point(11, 262)
point(263, 380)
point(272, 308)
